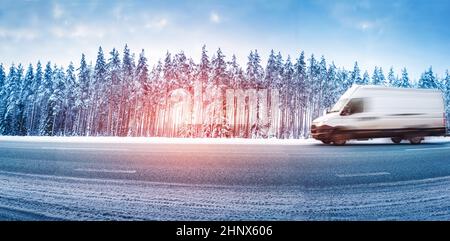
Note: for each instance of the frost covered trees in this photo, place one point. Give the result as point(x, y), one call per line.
point(121, 95)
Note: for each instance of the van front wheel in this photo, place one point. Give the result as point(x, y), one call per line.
point(339, 142)
point(415, 140)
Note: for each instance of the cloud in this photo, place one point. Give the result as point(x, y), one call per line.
point(359, 16)
point(78, 31)
point(157, 23)
point(57, 12)
point(214, 17)
point(366, 25)
point(18, 34)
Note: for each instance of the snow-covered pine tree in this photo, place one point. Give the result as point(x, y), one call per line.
point(45, 90)
point(356, 74)
point(300, 83)
point(5, 120)
point(219, 67)
point(271, 72)
point(157, 82)
point(391, 79)
point(142, 93)
point(404, 81)
point(381, 76)
point(113, 92)
point(70, 94)
point(366, 78)
point(36, 112)
point(254, 71)
point(128, 68)
point(82, 97)
point(98, 96)
point(376, 80)
point(220, 80)
point(237, 81)
point(15, 110)
point(3, 99)
point(288, 93)
point(446, 90)
point(56, 101)
point(331, 95)
point(24, 105)
point(254, 75)
point(323, 88)
point(314, 89)
point(428, 80)
point(235, 74)
point(343, 77)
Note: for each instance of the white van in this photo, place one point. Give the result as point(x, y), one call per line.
point(366, 112)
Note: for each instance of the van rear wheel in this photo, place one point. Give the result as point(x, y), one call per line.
point(415, 140)
point(396, 140)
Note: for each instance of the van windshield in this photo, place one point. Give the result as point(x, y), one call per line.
point(339, 105)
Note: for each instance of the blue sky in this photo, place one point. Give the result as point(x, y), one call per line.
point(400, 33)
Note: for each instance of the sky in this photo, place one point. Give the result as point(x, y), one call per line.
point(399, 33)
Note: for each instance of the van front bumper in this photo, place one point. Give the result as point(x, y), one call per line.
point(322, 132)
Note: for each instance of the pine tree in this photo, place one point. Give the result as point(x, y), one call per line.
point(82, 97)
point(376, 79)
point(356, 74)
point(45, 90)
point(2, 76)
point(254, 70)
point(36, 112)
point(404, 81)
point(428, 80)
point(271, 73)
point(332, 94)
point(392, 80)
point(236, 74)
point(219, 67)
point(287, 90)
point(300, 94)
point(254, 77)
point(25, 102)
point(13, 124)
point(323, 85)
point(56, 102)
point(366, 79)
point(128, 68)
point(99, 87)
point(113, 92)
point(446, 90)
point(69, 100)
point(3, 99)
point(314, 91)
point(381, 76)
point(142, 93)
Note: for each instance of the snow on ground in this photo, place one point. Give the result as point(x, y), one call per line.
point(167, 140)
point(43, 197)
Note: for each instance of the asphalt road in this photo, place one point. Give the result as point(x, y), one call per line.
point(102, 181)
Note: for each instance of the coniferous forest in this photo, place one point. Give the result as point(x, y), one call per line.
point(121, 95)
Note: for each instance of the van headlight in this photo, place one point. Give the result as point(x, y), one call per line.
point(320, 123)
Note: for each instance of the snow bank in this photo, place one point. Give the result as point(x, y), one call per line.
point(166, 140)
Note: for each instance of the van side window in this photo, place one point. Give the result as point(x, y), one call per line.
point(354, 106)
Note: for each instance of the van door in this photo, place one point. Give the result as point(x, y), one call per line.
point(356, 115)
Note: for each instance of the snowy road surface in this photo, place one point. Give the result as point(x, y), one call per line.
point(75, 180)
